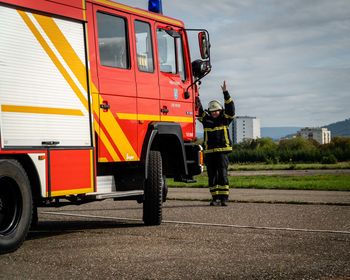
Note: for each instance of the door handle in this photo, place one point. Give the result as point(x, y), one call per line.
point(105, 106)
point(50, 143)
point(164, 110)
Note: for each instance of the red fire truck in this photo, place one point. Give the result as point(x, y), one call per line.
point(97, 101)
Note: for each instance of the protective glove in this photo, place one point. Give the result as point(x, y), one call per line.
point(223, 87)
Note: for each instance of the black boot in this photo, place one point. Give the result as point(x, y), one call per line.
point(214, 202)
point(224, 203)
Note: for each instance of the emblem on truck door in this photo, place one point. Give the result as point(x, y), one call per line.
point(176, 94)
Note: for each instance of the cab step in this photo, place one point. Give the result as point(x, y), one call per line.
point(119, 194)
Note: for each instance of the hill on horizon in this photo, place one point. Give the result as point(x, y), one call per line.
point(341, 128)
point(278, 132)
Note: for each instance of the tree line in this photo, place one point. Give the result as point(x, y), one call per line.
point(296, 150)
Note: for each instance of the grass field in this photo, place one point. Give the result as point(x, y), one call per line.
point(313, 182)
point(288, 166)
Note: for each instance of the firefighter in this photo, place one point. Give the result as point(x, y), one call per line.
point(217, 145)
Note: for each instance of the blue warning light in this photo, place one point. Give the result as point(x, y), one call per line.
point(155, 6)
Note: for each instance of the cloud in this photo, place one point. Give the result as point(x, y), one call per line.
point(286, 62)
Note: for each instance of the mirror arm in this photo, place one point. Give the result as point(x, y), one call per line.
point(187, 94)
point(172, 33)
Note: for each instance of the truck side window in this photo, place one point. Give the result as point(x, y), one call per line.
point(144, 47)
point(166, 52)
point(180, 59)
point(112, 41)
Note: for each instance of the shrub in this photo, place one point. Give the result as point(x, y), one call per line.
point(291, 150)
point(330, 159)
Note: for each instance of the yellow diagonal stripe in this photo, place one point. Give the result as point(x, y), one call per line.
point(41, 110)
point(106, 142)
point(53, 57)
point(63, 47)
point(117, 134)
point(70, 55)
point(73, 61)
point(69, 80)
point(102, 136)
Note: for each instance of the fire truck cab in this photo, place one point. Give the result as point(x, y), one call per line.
point(97, 101)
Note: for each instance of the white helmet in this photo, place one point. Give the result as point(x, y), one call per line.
point(214, 105)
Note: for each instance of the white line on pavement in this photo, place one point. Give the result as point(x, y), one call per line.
point(200, 224)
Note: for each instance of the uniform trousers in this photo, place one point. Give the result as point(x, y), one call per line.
point(217, 165)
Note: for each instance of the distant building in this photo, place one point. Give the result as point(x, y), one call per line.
point(245, 128)
point(320, 134)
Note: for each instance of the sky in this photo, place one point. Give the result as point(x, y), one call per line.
point(285, 62)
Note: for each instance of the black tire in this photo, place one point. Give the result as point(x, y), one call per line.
point(165, 189)
point(152, 205)
point(35, 218)
point(16, 205)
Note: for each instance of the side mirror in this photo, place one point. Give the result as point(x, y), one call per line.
point(200, 68)
point(204, 45)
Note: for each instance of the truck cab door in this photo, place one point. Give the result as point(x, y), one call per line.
point(174, 79)
point(117, 139)
point(146, 75)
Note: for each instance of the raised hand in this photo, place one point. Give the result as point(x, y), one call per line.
point(223, 87)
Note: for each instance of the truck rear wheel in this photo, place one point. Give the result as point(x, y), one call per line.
point(152, 205)
point(16, 205)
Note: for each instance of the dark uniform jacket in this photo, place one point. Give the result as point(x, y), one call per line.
point(216, 131)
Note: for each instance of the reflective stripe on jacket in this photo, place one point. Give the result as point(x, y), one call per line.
point(216, 130)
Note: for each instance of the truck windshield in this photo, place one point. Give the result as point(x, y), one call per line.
point(171, 55)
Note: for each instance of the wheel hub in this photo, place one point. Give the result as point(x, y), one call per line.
point(10, 208)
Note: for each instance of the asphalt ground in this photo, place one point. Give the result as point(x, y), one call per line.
point(107, 240)
point(267, 196)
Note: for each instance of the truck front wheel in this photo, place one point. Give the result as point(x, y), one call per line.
point(152, 205)
point(16, 205)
